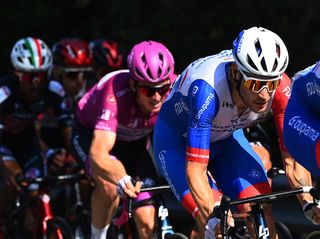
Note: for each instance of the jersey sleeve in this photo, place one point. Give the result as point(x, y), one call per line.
point(203, 107)
point(279, 105)
point(107, 109)
point(8, 85)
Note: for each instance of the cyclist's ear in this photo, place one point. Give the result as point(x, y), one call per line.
point(235, 73)
point(132, 84)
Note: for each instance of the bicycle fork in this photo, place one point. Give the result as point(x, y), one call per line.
point(47, 215)
point(163, 221)
point(262, 230)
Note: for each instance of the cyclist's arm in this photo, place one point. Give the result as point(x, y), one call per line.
point(203, 109)
point(67, 132)
point(101, 162)
point(5, 93)
point(200, 188)
point(297, 175)
point(44, 147)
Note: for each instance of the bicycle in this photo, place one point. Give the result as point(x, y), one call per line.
point(122, 225)
point(47, 224)
point(79, 216)
point(256, 214)
point(68, 203)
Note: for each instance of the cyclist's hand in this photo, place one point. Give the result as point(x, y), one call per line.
point(125, 187)
point(56, 158)
point(11, 181)
point(312, 212)
point(212, 229)
point(8, 171)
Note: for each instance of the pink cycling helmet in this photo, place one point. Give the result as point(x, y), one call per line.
point(150, 61)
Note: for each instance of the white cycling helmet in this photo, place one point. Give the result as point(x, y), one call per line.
point(31, 54)
point(260, 53)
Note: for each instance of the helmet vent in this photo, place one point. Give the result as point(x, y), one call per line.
point(139, 73)
point(30, 61)
point(278, 49)
point(160, 61)
point(159, 72)
point(20, 59)
point(149, 73)
point(161, 58)
point(258, 47)
point(143, 58)
point(275, 65)
point(263, 64)
point(284, 64)
point(250, 62)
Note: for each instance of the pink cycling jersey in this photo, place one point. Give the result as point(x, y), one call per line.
point(110, 105)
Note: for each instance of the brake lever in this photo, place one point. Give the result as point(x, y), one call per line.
point(223, 211)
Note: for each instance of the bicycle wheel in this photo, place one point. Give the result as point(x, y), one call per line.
point(82, 230)
point(115, 233)
point(313, 235)
point(58, 228)
point(283, 231)
point(81, 226)
point(175, 236)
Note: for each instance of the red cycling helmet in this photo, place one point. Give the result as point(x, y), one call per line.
point(107, 54)
point(72, 54)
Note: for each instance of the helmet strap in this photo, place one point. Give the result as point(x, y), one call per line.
point(238, 84)
point(238, 87)
point(133, 86)
point(237, 78)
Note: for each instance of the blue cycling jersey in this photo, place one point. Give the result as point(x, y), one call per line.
point(302, 119)
point(199, 122)
point(200, 106)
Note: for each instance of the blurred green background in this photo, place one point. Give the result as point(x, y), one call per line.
point(190, 29)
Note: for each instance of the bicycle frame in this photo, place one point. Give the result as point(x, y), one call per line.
point(46, 213)
point(164, 227)
point(163, 222)
point(260, 223)
point(257, 211)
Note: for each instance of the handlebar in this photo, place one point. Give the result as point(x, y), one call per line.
point(157, 189)
point(127, 203)
point(222, 210)
point(49, 179)
point(154, 190)
point(275, 171)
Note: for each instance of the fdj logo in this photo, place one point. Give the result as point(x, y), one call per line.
point(263, 232)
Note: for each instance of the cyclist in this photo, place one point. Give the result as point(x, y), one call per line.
point(72, 61)
point(107, 56)
point(24, 95)
point(200, 124)
point(302, 129)
point(113, 122)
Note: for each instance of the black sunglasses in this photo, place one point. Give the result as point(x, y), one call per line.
point(73, 74)
point(149, 91)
